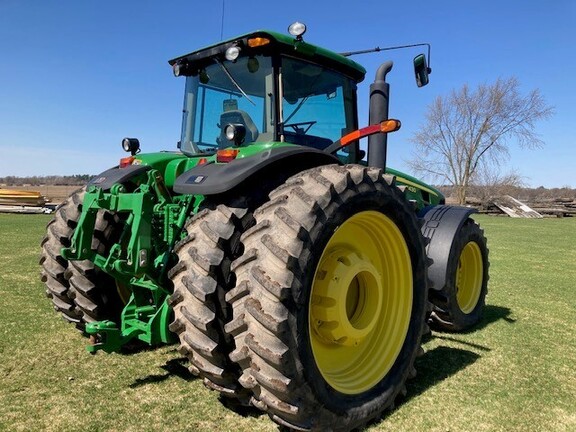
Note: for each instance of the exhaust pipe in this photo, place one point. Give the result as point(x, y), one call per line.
point(378, 112)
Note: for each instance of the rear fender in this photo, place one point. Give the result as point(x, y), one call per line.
point(216, 178)
point(115, 175)
point(441, 225)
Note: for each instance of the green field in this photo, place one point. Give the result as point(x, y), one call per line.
point(516, 372)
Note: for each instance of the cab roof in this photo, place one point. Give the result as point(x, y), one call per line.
point(279, 43)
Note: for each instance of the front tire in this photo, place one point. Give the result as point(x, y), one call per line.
point(330, 299)
point(460, 304)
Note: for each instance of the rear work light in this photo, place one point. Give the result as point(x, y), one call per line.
point(131, 145)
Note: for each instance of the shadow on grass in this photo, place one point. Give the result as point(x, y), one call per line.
point(433, 367)
point(175, 367)
point(496, 313)
point(442, 362)
point(460, 341)
point(178, 368)
point(492, 314)
point(241, 409)
point(135, 347)
point(436, 365)
point(439, 364)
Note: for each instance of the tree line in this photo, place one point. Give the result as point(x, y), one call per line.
point(524, 194)
point(55, 180)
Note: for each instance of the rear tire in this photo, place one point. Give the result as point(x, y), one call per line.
point(81, 292)
point(460, 304)
point(201, 279)
point(330, 299)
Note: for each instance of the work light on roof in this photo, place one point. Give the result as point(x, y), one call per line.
point(297, 29)
point(232, 53)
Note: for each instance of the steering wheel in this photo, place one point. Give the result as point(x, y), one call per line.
point(298, 129)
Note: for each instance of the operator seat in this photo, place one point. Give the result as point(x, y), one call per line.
point(237, 117)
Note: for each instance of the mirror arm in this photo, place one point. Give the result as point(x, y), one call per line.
point(378, 49)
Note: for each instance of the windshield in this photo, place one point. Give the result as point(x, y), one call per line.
point(317, 104)
point(227, 92)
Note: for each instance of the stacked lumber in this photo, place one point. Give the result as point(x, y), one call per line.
point(23, 201)
point(559, 207)
point(556, 207)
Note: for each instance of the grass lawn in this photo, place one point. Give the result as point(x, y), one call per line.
point(515, 372)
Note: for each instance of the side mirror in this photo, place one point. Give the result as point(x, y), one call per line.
point(421, 70)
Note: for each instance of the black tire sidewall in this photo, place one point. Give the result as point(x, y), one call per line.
point(392, 204)
point(469, 232)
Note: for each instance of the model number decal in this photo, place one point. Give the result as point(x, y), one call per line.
point(196, 179)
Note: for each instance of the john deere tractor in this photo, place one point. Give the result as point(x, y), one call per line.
point(294, 269)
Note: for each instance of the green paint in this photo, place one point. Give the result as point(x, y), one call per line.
point(153, 224)
point(256, 148)
point(169, 164)
point(416, 190)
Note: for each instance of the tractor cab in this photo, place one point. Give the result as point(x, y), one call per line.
point(264, 88)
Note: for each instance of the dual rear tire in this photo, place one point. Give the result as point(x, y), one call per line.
point(318, 311)
point(79, 290)
point(311, 308)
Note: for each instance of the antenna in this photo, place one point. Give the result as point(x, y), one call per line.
point(222, 23)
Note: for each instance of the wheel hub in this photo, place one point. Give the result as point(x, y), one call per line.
point(346, 316)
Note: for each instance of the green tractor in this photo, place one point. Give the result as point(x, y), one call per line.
point(296, 275)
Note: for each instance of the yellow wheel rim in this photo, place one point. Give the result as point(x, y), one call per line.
point(469, 277)
point(361, 302)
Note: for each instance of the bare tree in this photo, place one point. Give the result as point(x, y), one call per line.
point(489, 182)
point(469, 127)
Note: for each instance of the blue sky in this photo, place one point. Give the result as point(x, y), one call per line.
point(78, 76)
